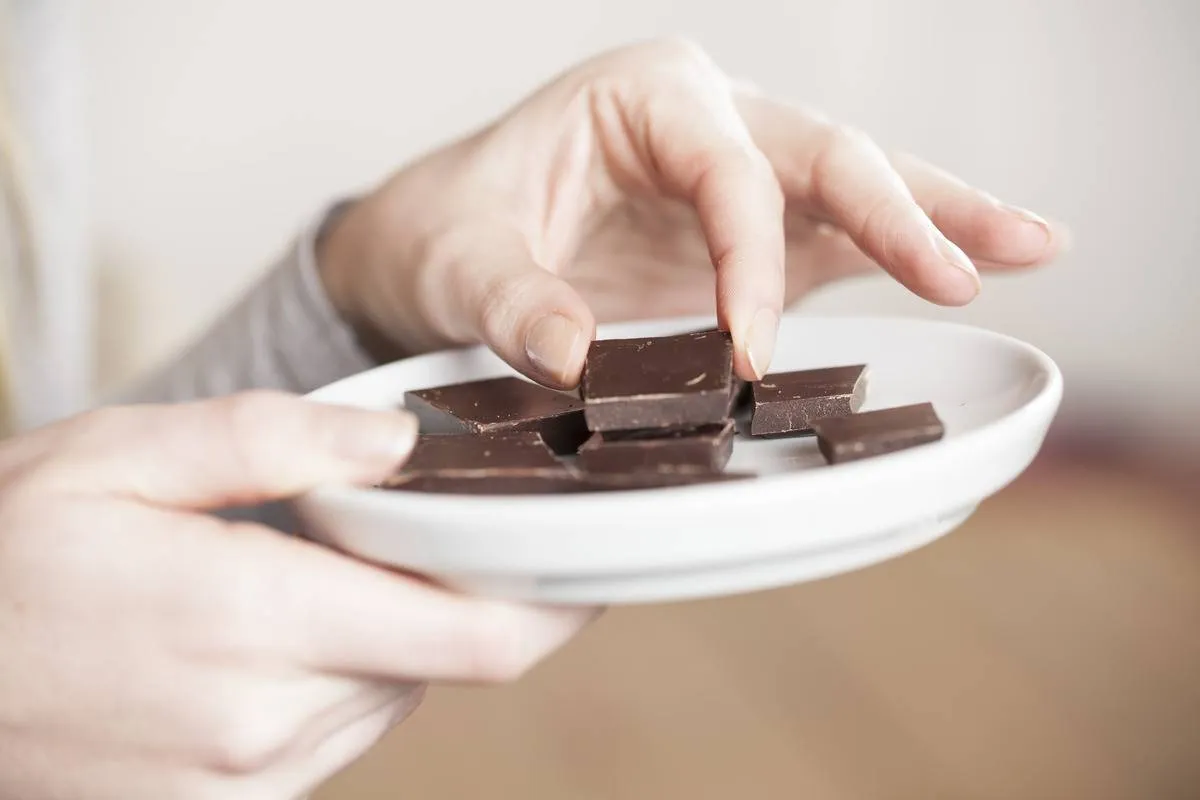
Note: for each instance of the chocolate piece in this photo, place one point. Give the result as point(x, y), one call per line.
point(516, 484)
point(627, 481)
point(739, 399)
point(703, 449)
point(465, 455)
point(501, 404)
point(789, 402)
point(498, 483)
point(874, 433)
point(662, 382)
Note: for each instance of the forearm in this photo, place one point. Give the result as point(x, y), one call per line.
point(283, 334)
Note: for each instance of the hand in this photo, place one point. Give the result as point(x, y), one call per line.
point(153, 651)
point(645, 183)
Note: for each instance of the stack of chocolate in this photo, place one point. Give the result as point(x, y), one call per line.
point(651, 412)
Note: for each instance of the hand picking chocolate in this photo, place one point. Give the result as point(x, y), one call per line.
point(653, 412)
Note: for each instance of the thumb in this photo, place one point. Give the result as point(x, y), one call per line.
point(496, 292)
point(239, 450)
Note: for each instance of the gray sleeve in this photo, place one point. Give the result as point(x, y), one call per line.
point(283, 334)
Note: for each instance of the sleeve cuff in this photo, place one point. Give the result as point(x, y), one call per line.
point(318, 345)
point(284, 334)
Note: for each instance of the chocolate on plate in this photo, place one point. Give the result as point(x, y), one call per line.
point(501, 404)
point(875, 433)
point(703, 449)
point(659, 382)
point(789, 402)
point(516, 484)
point(739, 397)
point(652, 412)
point(496, 483)
point(466, 454)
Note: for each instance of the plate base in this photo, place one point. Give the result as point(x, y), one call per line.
point(723, 580)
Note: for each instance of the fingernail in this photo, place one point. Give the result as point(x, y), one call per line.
point(383, 437)
point(1029, 218)
point(760, 340)
point(552, 346)
point(955, 257)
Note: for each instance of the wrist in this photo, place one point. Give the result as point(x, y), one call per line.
point(339, 249)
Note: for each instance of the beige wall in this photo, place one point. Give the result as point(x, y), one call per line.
point(219, 125)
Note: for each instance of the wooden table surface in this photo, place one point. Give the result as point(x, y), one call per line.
point(1050, 648)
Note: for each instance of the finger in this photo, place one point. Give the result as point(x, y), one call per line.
point(345, 746)
point(365, 700)
point(239, 450)
point(987, 230)
point(698, 147)
point(339, 615)
point(321, 745)
point(841, 175)
point(496, 291)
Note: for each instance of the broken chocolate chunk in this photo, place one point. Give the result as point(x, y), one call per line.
point(659, 382)
point(501, 404)
point(789, 402)
point(466, 454)
point(875, 433)
point(703, 449)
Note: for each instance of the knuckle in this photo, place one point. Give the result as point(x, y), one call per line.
point(879, 223)
point(245, 739)
point(244, 413)
point(677, 51)
point(764, 175)
point(738, 161)
point(839, 145)
point(813, 115)
point(501, 303)
point(852, 137)
point(842, 151)
point(247, 418)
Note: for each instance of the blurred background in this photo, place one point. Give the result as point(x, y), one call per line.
point(1048, 649)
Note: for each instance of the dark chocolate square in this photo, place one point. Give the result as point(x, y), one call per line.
point(703, 449)
point(501, 404)
point(875, 433)
point(789, 402)
point(485, 453)
point(659, 382)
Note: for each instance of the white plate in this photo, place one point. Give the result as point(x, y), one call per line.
point(800, 520)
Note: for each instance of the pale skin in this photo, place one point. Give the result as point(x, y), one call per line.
point(646, 183)
point(151, 650)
